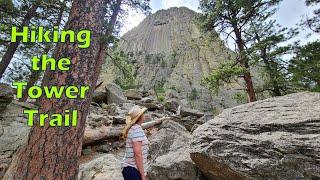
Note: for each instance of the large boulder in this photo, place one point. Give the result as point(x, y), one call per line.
point(6, 96)
point(115, 94)
point(276, 138)
point(169, 154)
point(106, 167)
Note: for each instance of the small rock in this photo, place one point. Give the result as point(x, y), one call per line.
point(133, 94)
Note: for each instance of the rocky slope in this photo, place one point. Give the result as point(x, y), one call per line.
point(168, 49)
point(276, 138)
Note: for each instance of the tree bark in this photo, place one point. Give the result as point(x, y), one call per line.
point(244, 62)
point(7, 57)
point(54, 152)
point(35, 75)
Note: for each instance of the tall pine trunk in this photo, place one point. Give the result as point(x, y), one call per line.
point(54, 152)
point(244, 63)
point(13, 46)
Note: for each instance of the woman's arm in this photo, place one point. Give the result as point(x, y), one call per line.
point(137, 150)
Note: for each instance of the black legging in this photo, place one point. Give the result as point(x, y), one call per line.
point(131, 173)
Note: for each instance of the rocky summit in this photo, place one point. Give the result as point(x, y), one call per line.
point(168, 50)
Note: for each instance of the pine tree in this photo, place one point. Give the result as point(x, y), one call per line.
point(232, 18)
point(304, 67)
point(266, 51)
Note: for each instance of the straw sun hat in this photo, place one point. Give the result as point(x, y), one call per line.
point(132, 117)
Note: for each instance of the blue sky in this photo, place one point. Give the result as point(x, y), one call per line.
point(289, 14)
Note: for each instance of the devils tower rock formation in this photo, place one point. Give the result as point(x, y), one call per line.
point(168, 49)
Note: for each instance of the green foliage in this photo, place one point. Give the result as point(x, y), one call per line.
point(125, 76)
point(161, 98)
point(304, 67)
point(160, 90)
point(215, 111)
point(266, 41)
point(224, 74)
point(194, 95)
point(240, 98)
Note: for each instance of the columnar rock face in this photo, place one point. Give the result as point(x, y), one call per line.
point(168, 49)
point(276, 138)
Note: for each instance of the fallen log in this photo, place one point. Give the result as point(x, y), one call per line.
point(91, 136)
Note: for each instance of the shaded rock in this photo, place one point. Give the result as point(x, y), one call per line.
point(152, 106)
point(133, 94)
point(115, 94)
point(6, 96)
point(190, 112)
point(172, 105)
point(118, 119)
point(276, 138)
point(188, 122)
point(99, 97)
point(194, 127)
point(106, 167)
point(169, 154)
